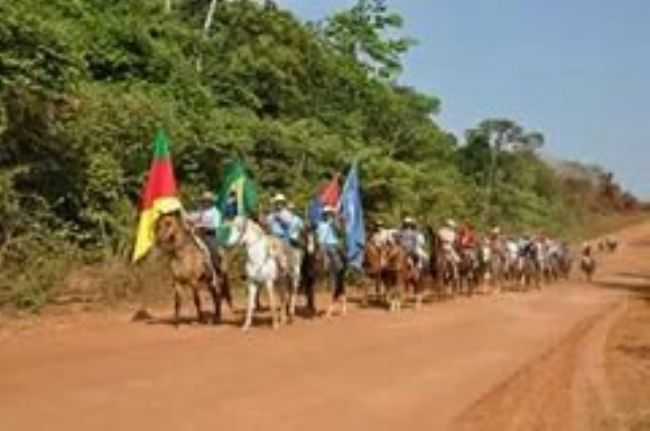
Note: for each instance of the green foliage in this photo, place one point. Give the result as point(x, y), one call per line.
point(85, 84)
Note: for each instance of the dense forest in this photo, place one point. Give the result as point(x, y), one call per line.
point(85, 84)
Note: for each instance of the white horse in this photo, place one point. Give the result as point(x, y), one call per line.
point(268, 260)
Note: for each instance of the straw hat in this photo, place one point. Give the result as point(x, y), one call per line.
point(409, 221)
point(278, 198)
point(208, 196)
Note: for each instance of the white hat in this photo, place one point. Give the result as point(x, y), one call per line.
point(408, 220)
point(451, 223)
point(291, 206)
point(496, 230)
point(329, 209)
point(279, 198)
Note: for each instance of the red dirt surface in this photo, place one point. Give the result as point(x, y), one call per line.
point(533, 361)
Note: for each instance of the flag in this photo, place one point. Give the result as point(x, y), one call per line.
point(236, 179)
point(329, 195)
point(352, 212)
point(158, 196)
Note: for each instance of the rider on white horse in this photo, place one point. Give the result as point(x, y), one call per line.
point(449, 236)
point(284, 223)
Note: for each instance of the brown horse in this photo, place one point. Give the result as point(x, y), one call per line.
point(376, 269)
point(191, 265)
point(401, 276)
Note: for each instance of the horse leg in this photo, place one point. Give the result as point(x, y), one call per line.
point(226, 293)
point(177, 305)
point(216, 299)
point(419, 294)
point(197, 304)
point(250, 309)
point(274, 311)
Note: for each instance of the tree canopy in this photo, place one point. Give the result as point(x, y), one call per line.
point(85, 84)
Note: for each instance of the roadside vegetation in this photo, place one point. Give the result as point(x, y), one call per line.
point(85, 84)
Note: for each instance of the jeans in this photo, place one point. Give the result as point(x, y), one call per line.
point(336, 268)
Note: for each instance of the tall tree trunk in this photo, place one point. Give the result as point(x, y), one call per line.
point(209, 17)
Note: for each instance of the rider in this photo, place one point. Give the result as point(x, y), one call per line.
point(283, 222)
point(327, 231)
point(382, 236)
point(206, 220)
point(412, 241)
point(448, 238)
point(467, 237)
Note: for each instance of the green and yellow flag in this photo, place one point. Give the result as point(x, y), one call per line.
point(237, 182)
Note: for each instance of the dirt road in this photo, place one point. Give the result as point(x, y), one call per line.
point(506, 362)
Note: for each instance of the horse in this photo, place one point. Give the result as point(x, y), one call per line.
point(191, 265)
point(588, 265)
point(402, 274)
point(374, 263)
point(311, 269)
point(611, 244)
point(268, 261)
point(492, 264)
point(468, 270)
point(442, 267)
point(527, 268)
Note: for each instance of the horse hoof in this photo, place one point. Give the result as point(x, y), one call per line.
point(245, 328)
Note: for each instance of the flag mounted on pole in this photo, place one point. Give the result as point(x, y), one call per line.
point(330, 195)
point(237, 183)
point(159, 195)
point(352, 212)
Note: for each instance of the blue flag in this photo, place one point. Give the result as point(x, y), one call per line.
point(352, 212)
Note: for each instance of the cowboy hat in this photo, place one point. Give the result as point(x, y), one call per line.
point(450, 223)
point(408, 220)
point(291, 206)
point(329, 210)
point(208, 196)
point(279, 198)
point(496, 230)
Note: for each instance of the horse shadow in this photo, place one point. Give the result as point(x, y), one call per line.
point(637, 284)
point(143, 316)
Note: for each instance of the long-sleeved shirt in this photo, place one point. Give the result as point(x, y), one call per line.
point(209, 219)
point(327, 234)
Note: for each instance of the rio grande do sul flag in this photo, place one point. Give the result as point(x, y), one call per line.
point(160, 195)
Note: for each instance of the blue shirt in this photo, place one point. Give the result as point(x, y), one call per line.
point(326, 233)
point(279, 223)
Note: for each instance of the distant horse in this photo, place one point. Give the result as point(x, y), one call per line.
point(588, 265)
point(191, 265)
point(612, 244)
point(268, 261)
point(375, 267)
point(443, 269)
point(404, 277)
point(468, 271)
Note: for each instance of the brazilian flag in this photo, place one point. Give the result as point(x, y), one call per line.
point(238, 193)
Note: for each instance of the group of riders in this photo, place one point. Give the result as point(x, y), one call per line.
point(455, 254)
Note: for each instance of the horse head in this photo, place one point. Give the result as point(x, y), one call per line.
point(169, 231)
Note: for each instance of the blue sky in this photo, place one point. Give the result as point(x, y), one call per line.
point(577, 70)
